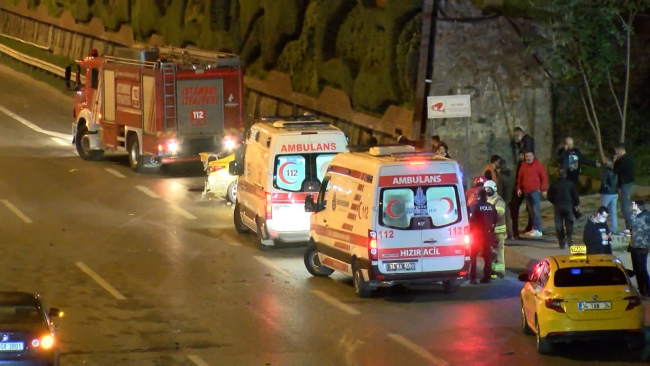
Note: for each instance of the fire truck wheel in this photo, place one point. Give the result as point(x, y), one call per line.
point(82, 143)
point(135, 159)
point(231, 194)
point(239, 225)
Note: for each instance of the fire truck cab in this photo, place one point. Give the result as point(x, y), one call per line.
point(158, 110)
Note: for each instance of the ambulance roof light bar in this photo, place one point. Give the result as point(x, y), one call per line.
point(417, 155)
point(390, 150)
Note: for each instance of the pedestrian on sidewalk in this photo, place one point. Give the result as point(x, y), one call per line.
point(506, 189)
point(515, 204)
point(498, 258)
point(532, 183)
point(471, 195)
point(482, 220)
point(570, 159)
point(443, 150)
point(524, 141)
point(639, 245)
point(490, 171)
point(597, 236)
point(609, 191)
point(624, 169)
point(563, 195)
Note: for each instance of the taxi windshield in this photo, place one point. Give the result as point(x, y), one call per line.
point(590, 276)
point(294, 172)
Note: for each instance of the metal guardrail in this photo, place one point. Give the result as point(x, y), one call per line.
point(25, 42)
point(35, 62)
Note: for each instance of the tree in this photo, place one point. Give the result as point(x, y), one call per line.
point(586, 42)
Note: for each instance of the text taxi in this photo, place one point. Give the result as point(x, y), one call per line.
point(576, 297)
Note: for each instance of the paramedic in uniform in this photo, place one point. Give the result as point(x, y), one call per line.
point(482, 220)
point(498, 261)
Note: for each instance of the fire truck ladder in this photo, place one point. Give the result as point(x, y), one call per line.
point(168, 70)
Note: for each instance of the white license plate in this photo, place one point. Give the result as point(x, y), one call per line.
point(400, 266)
point(595, 305)
point(12, 346)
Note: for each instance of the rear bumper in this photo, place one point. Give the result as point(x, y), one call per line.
point(174, 159)
point(596, 335)
point(286, 236)
point(379, 279)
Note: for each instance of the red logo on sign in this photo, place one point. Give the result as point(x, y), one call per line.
point(438, 107)
point(395, 209)
point(287, 170)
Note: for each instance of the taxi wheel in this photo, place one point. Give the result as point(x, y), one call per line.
point(231, 194)
point(524, 323)
point(544, 347)
point(361, 287)
point(312, 263)
point(239, 224)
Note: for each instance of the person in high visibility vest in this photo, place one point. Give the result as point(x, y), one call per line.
point(498, 264)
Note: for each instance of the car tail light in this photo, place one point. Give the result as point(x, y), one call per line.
point(372, 245)
point(214, 168)
point(417, 163)
point(269, 212)
point(633, 301)
point(555, 304)
point(45, 342)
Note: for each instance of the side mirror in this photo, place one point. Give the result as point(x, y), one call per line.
point(523, 277)
point(68, 77)
point(234, 168)
point(309, 204)
point(55, 313)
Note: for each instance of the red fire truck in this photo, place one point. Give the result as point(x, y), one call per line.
point(156, 106)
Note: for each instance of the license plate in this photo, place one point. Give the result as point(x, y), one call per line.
point(11, 346)
point(400, 266)
point(595, 305)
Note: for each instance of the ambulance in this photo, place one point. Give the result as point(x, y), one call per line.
point(282, 161)
point(390, 215)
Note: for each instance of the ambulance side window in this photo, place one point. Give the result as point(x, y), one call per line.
point(324, 188)
point(94, 78)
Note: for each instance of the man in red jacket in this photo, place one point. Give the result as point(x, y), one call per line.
point(532, 180)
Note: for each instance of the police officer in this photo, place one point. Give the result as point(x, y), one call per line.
point(482, 220)
point(498, 261)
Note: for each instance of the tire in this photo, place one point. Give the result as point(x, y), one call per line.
point(312, 263)
point(450, 286)
point(544, 346)
point(84, 151)
point(239, 224)
point(524, 323)
point(135, 159)
point(231, 193)
point(361, 287)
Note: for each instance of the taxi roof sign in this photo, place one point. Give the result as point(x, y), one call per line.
point(578, 252)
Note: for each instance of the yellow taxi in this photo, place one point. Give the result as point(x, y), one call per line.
point(219, 183)
point(579, 297)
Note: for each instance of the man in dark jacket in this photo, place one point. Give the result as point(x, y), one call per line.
point(523, 140)
point(482, 220)
point(570, 159)
point(506, 186)
point(597, 236)
point(609, 191)
point(563, 195)
point(640, 244)
point(624, 169)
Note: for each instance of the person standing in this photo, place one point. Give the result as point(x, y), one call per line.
point(532, 183)
point(490, 172)
point(400, 138)
point(435, 142)
point(498, 259)
point(609, 191)
point(524, 141)
point(506, 189)
point(624, 169)
point(369, 139)
point(515, 204)
point(570, 159)
point(639, 245)
point(443, 150)
point(597, 236)
point(471, 195)
point(564, 197)
point(482, 220)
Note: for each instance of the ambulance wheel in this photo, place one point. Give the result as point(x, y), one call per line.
point(135, 159)
point(312, 262)
point(450, 286)
point(544, 346)
point(361, 287)
point(239, 224)
point(524, 323)
point(231, 193)
point(82, 143)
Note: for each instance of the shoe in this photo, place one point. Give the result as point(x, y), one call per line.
point(497, 276)
point(529, 233)
point(485, 280)
point(473, 282)
point(536, 233)
point(517, 237)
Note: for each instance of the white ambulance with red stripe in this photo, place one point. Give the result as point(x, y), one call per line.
point(387, 216)
point(283, 161)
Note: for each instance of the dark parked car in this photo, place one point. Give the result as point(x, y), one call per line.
point(27, 333)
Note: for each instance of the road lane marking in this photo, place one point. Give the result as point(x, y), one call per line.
point(181, 211)
point(345, 307)
point(417, 349)
point(115, 173)
point(100, 281)
point(60, 141)
point(271, 265)
point(197, 360)
point(147, 191)
point(16, 211)
point(33, 126)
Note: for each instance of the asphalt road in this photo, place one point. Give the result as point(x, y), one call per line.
point(148, 274)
